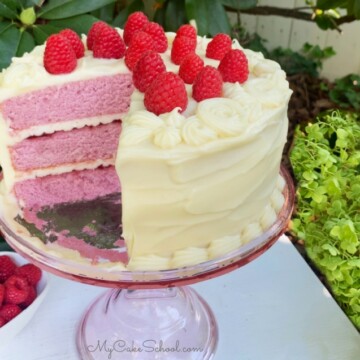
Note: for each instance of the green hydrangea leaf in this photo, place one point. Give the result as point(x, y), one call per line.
point(60, 9)
point(26, 44)
point(9, 42)
point(210, 16)
point(174, 15)
point(81, 24)
point(136, 5)
point(332, 249)
point(8, 9)
point(42, 32)
point(4, 25)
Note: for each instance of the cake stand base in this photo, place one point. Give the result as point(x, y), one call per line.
point(169, 323)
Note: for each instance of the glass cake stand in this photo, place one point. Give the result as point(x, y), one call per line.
point(149, 314)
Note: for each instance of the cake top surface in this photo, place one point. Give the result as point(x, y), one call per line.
point(244, 108)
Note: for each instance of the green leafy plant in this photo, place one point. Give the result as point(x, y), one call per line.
point(308, 60)
point(326, 163)
point(346, 92)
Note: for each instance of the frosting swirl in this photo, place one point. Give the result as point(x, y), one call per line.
point(189, 256)
point(167, 137)
point(194, 132)
point(225, 116)
point(133, 135)
point(149, 263)
point(222, 246)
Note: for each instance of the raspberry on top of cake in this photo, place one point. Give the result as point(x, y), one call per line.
point(203, 124)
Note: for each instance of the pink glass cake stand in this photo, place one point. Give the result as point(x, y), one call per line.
point(149, 314)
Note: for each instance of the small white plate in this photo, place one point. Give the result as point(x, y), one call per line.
point(13, 327)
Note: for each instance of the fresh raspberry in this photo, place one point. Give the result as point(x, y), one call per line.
point(17, 290)
point(7, 268)
point(93, 33)
point(190, 67)
point(182, 46)
point(141, 42)
point(2, 294)
point(188, 31)
point(9, 311)
point(157, 33)
point(108, 44)
point(165, 94)
point(30, 299)
point(2, 321)
point(208, 84)
point(59, 56)
point(234, 67)
point(134, 23)
point(75, 42)
point(147, 69)
point(218, 46)
point(30, 272)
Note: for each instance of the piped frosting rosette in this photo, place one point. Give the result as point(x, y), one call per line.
point(213, 119)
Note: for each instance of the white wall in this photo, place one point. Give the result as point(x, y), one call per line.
point(291, 33)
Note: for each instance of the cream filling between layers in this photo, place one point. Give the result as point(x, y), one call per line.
point(11, 176)
point(11, 137)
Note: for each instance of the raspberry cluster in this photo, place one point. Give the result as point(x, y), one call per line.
point(140, 46)
point(17, 288)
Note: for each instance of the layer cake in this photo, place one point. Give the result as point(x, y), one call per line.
point(196, 183)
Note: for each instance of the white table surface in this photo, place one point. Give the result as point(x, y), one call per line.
point(272, 309)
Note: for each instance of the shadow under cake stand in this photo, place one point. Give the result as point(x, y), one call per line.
point(149, 314)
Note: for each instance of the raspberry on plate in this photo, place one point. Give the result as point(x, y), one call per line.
point(234, 67)
point(108, 44)
point(2, 294)
point(188, 31)
point(190, 67)
point(93, 33)
point(208, 84)
point(134, 23)
point(182, 46)
point(157, 33)
point(218, 46)
point(30, 299)
point(30, 272)
point(7, 268)
point(9, 311)
point(147, 69)
point(59, 56)
point(75, 42)
point(2, 321)
point(141, 42)
point(166, 93)
point(16, 290)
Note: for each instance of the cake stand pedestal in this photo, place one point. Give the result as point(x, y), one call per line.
point(149, 314)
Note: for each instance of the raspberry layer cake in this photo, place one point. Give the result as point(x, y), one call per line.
point(199, 151)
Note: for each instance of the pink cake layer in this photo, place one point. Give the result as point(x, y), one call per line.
point(69, 187)
point(104, 95)
point(66, 147)
point(91, 252)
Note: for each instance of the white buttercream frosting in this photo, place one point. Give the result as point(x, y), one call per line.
point(222, 246)
point(150, 262)
point(189, 256)
point(268, 217)
point(27, 73)
point(195, 132)
point(251, 231)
